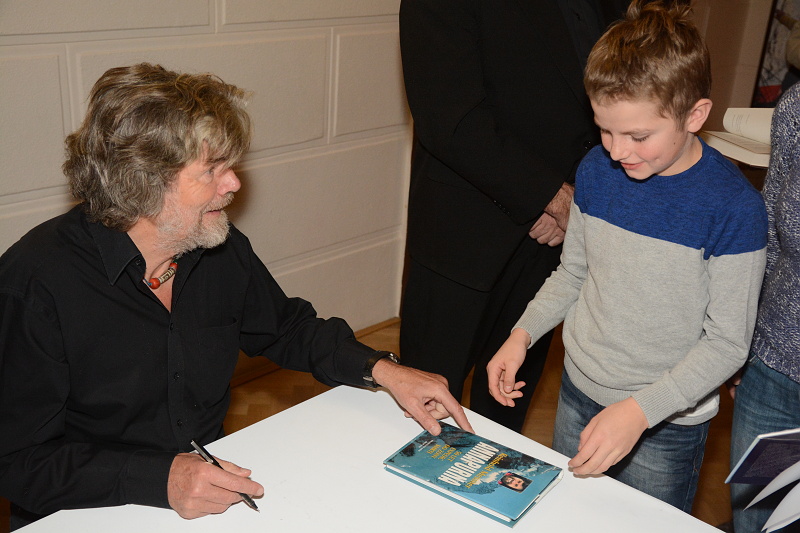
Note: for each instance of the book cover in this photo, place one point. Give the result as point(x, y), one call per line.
point(493, 479)
point(746, 135)
point(768, 455)
point(773, 459)
point(788, 510)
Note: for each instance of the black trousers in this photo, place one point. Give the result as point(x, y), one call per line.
point(448, 328)
point(20, 518)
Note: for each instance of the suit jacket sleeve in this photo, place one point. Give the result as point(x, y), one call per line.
point(454, 118)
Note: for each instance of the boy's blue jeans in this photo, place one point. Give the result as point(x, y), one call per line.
point(766, 401)
point(665, 463)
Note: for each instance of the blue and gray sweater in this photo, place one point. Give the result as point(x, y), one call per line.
point(658, 285)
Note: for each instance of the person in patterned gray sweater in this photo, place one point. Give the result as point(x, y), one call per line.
point(767, 397)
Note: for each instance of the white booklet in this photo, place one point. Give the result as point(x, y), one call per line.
point(746, 135)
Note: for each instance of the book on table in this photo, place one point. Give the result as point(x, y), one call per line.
point(746, 136)
point(490, 478)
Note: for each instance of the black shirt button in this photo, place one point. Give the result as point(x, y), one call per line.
point(176, 376)
point(171, 326)
point(588, 145)
point(179, 423)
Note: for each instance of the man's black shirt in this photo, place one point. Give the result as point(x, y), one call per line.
point(101, 385)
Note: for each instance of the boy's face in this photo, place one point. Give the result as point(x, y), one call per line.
point(644, 142)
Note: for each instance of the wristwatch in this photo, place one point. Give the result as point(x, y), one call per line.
point(369, 381)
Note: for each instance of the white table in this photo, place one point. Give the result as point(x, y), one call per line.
point(321, 463)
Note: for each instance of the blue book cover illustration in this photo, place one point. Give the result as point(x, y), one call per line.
point(493, 479)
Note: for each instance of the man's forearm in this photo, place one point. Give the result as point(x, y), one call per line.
point(559, 206)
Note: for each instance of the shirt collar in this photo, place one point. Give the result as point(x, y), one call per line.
point(116, 249)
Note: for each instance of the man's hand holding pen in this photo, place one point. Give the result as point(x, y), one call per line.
point(196, 488)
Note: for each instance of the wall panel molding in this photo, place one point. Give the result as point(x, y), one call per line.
point(326, 179)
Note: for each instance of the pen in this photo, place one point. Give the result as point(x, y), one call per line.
point(210, 459)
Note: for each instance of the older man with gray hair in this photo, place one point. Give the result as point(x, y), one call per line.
point(122, 320)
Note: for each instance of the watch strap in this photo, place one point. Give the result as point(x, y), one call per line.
point(369, 381)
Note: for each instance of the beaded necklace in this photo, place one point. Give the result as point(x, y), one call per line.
point(155, 283)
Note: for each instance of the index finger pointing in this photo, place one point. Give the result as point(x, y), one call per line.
point(457, 412)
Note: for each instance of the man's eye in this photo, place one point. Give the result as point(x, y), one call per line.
point(640, 139)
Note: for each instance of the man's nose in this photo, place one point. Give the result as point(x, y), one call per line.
point(229, 182)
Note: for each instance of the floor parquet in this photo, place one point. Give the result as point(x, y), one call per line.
point(269, 394)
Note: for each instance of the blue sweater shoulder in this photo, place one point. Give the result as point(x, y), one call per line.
point(709, 207)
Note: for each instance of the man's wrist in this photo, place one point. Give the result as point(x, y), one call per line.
point(561, 201)
point(369, 366)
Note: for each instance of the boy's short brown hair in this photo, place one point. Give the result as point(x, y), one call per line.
point(655, 53)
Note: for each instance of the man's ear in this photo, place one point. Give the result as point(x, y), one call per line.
point(698, 115)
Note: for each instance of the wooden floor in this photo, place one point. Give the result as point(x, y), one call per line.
point(269, 394)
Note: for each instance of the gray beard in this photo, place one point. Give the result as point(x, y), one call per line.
point(177, 242)
point(205, 237)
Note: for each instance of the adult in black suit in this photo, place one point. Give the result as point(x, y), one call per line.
point(501, 122)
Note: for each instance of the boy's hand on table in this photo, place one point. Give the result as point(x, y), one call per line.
point(609, 437)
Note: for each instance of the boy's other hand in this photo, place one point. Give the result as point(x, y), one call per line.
point(503, 367)
point(609, 437)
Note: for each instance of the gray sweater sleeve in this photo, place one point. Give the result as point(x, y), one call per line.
point(561, 290)
point(734, 286)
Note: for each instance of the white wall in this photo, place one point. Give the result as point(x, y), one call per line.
point(734, 31)
point(323, 196)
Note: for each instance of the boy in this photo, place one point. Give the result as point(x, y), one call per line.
point(660, 272)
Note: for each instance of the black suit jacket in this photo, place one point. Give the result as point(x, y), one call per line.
point(501, 121)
